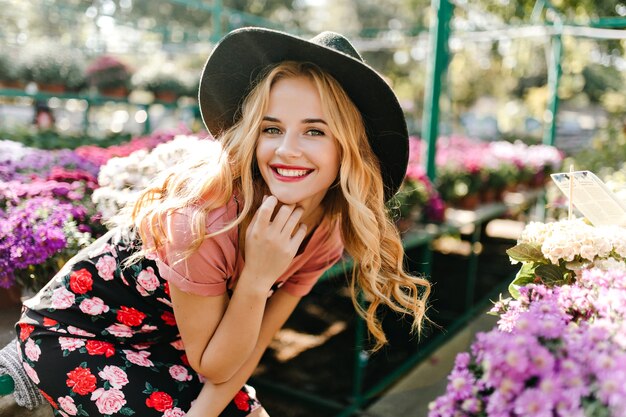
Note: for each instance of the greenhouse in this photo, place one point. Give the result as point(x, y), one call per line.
point(304, 208)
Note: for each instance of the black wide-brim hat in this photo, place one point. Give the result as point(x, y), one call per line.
point(242, 55)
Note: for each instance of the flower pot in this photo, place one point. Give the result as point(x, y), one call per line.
point(166, 96)
point(114, 92)
point(12, 84)
point(468, 202)
point(51, 88)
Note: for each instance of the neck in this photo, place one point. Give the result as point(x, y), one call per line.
point(313, 220)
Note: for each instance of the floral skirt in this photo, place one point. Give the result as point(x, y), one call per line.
point(101, 340)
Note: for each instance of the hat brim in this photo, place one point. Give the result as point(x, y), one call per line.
point(237, 61)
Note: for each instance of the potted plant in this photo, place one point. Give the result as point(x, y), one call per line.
point(110, 76)
point(9, 72)
point(166, 87)
point(53, 69)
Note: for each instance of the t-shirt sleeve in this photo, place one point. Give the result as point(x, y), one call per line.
point(206, 271)
point(301, 282)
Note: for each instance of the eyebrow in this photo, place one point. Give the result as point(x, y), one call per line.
point(306, 121)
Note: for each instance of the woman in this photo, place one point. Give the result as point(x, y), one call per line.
point(170, 312)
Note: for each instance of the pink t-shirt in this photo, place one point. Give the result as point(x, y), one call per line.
point(217, 263)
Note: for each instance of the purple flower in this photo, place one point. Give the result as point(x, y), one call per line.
point(31, 233)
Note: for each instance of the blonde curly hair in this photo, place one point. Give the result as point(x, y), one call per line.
point(356, 201)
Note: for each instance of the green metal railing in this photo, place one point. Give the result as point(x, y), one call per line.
point(90, 100)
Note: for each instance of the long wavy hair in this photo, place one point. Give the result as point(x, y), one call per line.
point(356, 200)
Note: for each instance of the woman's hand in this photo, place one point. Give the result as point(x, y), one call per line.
point(271, 244)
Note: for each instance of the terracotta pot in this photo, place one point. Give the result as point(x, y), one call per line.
point(166, 96)
point(114, 92)
point(469, 202)
point(12, 84)
point(52, 88)
point(488, 195)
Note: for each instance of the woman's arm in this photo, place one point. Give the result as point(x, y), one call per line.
point(215, 397)
point(219, 335)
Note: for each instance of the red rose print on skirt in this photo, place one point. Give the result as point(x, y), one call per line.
point(81, 381)
point(130, 316)
point(80, 281)
point(49, 399)
point(160, 401)
point(168, 318)
point(25, 331)
point(97, 347)
point(242, 401)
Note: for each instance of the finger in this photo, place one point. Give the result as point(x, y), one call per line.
point(283, 215)
point(293, 220)
point(299, 236)
point(265, 210)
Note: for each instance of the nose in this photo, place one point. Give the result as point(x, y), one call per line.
point(289, 146)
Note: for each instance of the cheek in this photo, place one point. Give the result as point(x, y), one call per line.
point(262, 152)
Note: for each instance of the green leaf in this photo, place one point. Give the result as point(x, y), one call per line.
point(525, 252)
point(526, 275)
point(126, 411)
point(551, 274)
point(149, 389)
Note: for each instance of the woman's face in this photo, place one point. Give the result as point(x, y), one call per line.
point(297, 154)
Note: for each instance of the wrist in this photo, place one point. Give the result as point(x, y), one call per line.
point(252, 283)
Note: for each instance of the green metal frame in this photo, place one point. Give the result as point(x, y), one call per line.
point(90, 99)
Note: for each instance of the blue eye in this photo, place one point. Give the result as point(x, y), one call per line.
point(315, 132)
point(271, 130)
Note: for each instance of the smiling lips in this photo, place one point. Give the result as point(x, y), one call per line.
point(284, 173)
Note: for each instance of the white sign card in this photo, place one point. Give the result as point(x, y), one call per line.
point(591, 196)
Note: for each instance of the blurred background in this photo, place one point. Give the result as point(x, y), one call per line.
point(496, 86)
point(97, 96)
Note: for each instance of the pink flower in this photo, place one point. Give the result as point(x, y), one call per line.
point(115, 375)
point(108, 401)
point(178, 344)
point(106, 267)
point(180, 373)
point(174, 412)
point(32, 350)
point(139, 358)
point(67, 404)
point(31, 372)
point(79, 332)
point(120, 330)
point(71, 343)
point(148, 280)
point(93, 306)
point(62, 298)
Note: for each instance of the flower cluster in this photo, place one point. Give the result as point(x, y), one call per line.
point(31, 234)
point(107, 71)
point(417, 199)
point(546, 365)
point(467, 167)
point(553, 253)
point(21, 163)
point(46, 207)
point(559, 349)
point(599, 293)
point(122, 178)
point(99, 156)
